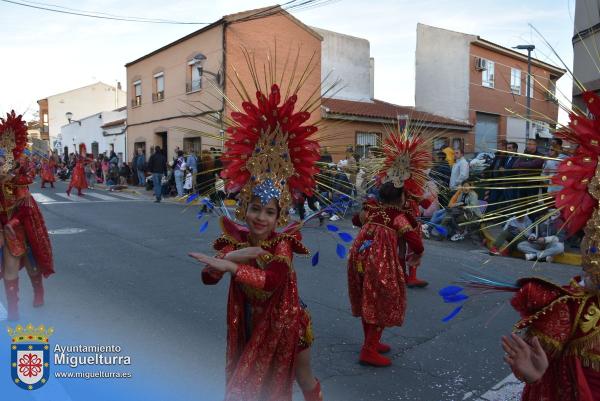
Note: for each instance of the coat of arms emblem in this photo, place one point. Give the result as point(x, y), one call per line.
point(30, 355)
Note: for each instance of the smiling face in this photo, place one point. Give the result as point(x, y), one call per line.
point(262, 219)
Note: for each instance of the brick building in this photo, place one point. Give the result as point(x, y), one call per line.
point(470, 79)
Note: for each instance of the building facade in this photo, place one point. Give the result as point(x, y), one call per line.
point(80, 102)
point(173, 90)
point(470, 79)
point(101, 133)
point(586, 41)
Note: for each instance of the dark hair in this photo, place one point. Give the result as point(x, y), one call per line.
point(441, 155)
point(388, 193)
point(180, 153)
point(558, 141)
point(157, 148)
point(513, 144)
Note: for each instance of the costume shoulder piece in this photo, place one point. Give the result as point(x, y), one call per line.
point(233, 234)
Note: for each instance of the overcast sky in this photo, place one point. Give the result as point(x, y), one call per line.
point(44, 53)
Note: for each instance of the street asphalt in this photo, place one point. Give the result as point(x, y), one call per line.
point(124, 278)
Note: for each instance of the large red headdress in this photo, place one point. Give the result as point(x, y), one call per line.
point(270, 153)
point(406, 159)
point(13, 138)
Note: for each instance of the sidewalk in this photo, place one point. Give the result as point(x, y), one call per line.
point(570, 257)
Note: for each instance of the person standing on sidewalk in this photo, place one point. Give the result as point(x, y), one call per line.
point(140, 167)
point(179, 171)
point(157, 164)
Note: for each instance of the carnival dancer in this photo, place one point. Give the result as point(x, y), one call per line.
point(24, 234)
point(78, 179)
point(376, 281)
point(270, 156)
point(47, 173)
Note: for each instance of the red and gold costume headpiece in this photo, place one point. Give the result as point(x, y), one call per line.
point(13, 139)
point(269, 153)
point(579, 176)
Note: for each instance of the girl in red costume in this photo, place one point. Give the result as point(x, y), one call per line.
point(269, 157)
point(47, 175)
point(78, 179)
point(24, 235)
point(389, 232)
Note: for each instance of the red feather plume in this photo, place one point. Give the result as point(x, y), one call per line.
point(13, 124)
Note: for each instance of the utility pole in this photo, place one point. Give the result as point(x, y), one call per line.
point(529, 48)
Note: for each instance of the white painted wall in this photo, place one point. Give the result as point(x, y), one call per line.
point(442, 72)
point(515, 131)
point(585, 52)
point(82, 102)
point(91, 130)
point(349, 59)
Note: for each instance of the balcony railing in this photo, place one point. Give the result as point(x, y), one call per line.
point(158, 96)
point(193, 86)
point(136, 101)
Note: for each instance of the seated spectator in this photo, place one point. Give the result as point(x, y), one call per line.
point(512, 229)
point(463, 208)
point(124, 174)
point(548, 242)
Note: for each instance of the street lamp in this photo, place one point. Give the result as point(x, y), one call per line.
point(69, 116)
point(529, 48)
point(199, 57)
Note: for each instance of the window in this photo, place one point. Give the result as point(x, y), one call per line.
point(194, 76)
point(159, 87)
point(551, 92)
point(137, 90)
point(192, 145)
point(487, 75)
point(531, 87)
point(515, 81)
point(366, 140)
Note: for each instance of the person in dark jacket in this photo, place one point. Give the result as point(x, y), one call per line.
point(495, 170)
point(529, 166)
point(157, 165)
point(441, 174)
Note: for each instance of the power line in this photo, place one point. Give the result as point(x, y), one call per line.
point(114, 18)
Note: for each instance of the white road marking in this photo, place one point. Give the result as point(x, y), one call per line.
point(100, 196)
point(41, 198)
point(126, 196)
point(66, 231)
point(508, 389)
point(3, 313)
point(73, 198)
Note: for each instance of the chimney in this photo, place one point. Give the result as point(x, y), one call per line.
point(372, 77)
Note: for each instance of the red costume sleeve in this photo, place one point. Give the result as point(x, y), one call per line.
point(275, 272)
point(405, 227)
point(356, 220)
point(24, 175)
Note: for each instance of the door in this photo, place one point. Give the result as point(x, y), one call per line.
point(163, 143)
point(486, 132)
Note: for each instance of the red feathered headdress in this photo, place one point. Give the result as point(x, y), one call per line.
point(407, 157)
point(270, 153)
point(13, 138)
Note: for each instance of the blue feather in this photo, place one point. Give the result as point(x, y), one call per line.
point(200, 215)
point(450, 290)
point(191, 198)
point(208, 203)
point(315, 259)
point(341, 251)
point(366, 244)
point(453, 314)
point(452, 299)
point(345, 237)
point(332, 228)
point(204, 227)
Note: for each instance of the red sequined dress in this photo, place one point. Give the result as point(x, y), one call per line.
point(21, 212)
point(267, 324)
point(48, 167)
point(375, 273)
point(566, 320)
point(78, 180)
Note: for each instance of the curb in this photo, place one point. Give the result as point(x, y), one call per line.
point(567, 258)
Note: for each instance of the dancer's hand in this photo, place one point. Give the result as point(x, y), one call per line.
point(245, 255)
point(528, 362)
point(217, 264)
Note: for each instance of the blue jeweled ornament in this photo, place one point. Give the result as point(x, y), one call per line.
point(266, 191)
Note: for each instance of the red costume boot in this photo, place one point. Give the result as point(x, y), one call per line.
point(368, 353)
point(381, 347)
point(412, 280)
point(79, 193)
point(12, 297)
point(69, 191)
point(38, 290)
point(315, 394)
